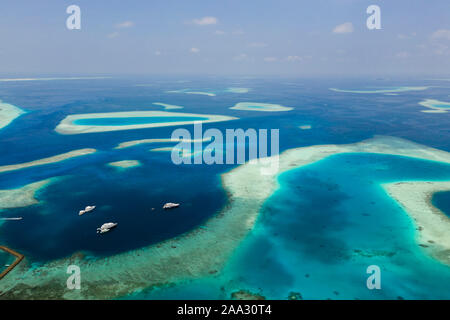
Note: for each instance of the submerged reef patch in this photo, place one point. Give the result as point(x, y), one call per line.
point(246, 295)
point(49, 160)
point(22, 197)
point(167, 106)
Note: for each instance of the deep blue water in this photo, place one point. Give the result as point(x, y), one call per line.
point(287, 242)
point(132, 120)
point(442, 201)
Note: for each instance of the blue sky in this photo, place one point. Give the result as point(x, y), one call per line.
point(229, 37)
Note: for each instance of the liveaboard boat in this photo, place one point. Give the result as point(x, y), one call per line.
point(87, 209)
point(106, 227)
point(171, 205)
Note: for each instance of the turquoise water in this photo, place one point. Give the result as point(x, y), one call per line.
point(128, 121)
point(442, 201)
point(442, 106)
point(330, 220)
point(320, 231)
point(316, 235)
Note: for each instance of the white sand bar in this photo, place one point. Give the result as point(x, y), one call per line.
point(436, 106)
point(382, 90)
point(54, 159)
point(257, 106)
point(432, 224)
point(125, 164)
point(67, 125)
point(133, 143)
point(237, 90)
point(8, 113)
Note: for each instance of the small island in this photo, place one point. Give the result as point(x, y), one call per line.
point(117, 121)
point(435, 106)
point(8, 113)
point(125, 164)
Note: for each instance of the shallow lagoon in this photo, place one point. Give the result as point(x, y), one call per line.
point(319, 232)
point(128, 196)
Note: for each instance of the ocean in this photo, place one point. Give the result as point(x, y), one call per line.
point(315, 235)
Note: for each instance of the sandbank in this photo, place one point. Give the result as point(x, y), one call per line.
point(436, 106)
point(167, 106)
point(256, 106)
point(237, 90)
point(133, 143)
point(49, 160)
point(385, 90)
point(125, 164)
point(8, 113)
point(68, 125)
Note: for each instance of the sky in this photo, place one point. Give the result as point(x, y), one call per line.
point(225, 37)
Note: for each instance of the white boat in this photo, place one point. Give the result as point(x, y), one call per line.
point(171, 205)
point(87, 209)
point(106, 227)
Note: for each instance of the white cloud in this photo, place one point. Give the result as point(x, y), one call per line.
point(113, 35)
point(238, 32)
point(195, 50)
point(157, 53)
point(439, 42)
point(270, 59)
point(125, 24)
point(257, 45)
point(220, 32)
point(294, 58)
point(441, 34)
point(346, 27)
point(205, 21)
